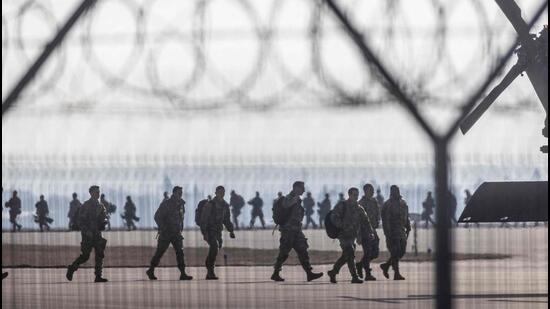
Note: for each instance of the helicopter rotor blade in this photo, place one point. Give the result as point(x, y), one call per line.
point(513, 13)
point(469, 121)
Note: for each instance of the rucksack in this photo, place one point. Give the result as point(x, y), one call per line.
point(332, 230)
point(198, 212)
point(281, 215)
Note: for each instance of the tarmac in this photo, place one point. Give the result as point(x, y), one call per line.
point(517, 282)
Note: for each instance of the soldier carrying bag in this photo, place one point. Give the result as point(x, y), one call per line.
point(332, 230)
point(281, 215)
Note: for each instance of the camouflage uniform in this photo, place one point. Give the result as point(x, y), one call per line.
point(292, 236)
point(309, 203)
point(396, 225)
point(130, 215)
point(91, 220)
point(14, 204)
point(350, 218)
point(368, 236)
point(42, 212)
point(257, 204)
point(214, 217)
point(73, 208)
point(237, 203)
point(169, 219)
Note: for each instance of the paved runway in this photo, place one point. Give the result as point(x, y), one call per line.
point(518, 282)
point(478, 284)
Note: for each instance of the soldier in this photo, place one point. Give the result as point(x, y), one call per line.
point(396, 225)
point(309, 203)
point(257, 204)
point(349, 217)
point(212, 218)
point(237, 203)
point(428, 205)
point(91, 219)
point(14, 204)
point(130, 214)
point(341, 198)
point(379, 197)
point(169, 219)
point(110, 208)
point(368, 236)
point(292, 236)
point(165, 196)
point(73, 209)
point(42, 212)
point(324, 208)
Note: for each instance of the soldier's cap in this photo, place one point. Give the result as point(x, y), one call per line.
point(298, 184)
point(177, 188)
point(94, 188)
point(219, 188)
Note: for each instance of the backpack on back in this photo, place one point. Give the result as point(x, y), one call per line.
point(332, 230)
point(281, 215)
point(198, 212)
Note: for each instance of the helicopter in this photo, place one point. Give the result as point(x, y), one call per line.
point(516, 201)
point(532, 55)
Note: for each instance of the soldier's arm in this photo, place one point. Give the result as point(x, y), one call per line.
point(407, 221)
point(365, 222)
point(377, 216)
point(227, 220)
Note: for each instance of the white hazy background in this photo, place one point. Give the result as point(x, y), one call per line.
point(144, 95)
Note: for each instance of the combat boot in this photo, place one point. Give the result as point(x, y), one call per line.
point(151, 273)
point(356, 279)
point(385, 267)
point(312, 276)
point(332, 275)
point(277, 277)
point(70, 272)
point(396, 274)
point(100, 279)
point(210, 275)
point(184, 276)
point(359, 267)
point(369, 276)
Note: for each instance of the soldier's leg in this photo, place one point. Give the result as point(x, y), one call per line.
point(252, 221)
point(262, 220)
point(162, 245)
point(285, 245)
point(343, 259)
point(236, 222)
point(177, 244)
point(300, 246)
point(86, 247)
point(212, 250)
point(99, 248)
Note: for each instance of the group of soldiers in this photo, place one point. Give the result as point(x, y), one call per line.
point(356, 219)
point(43, 220)
point(237, 202)
point(41, 216)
